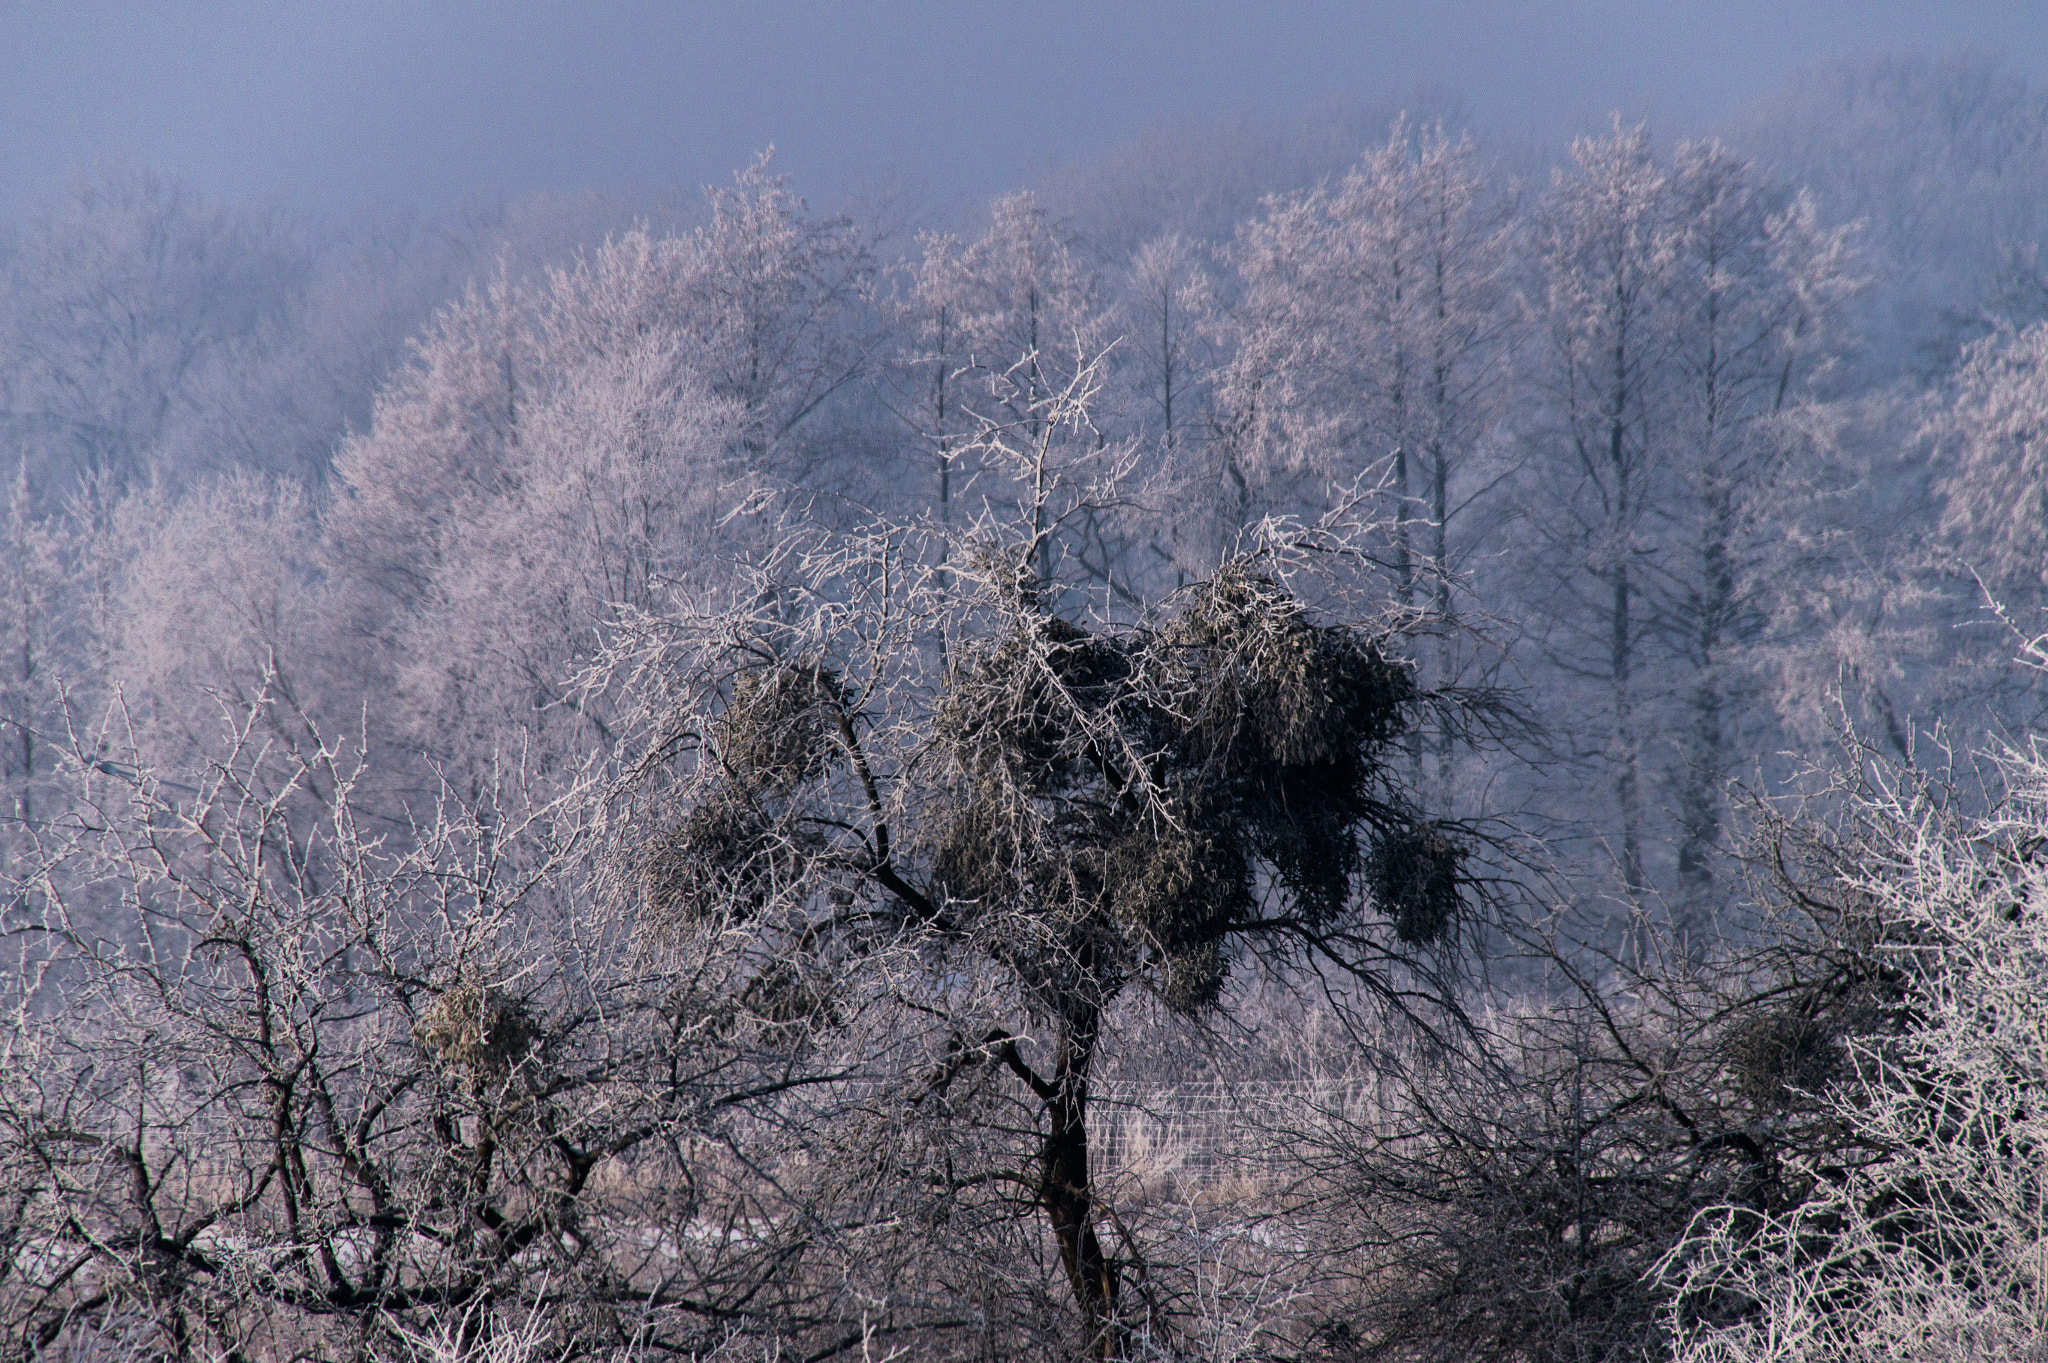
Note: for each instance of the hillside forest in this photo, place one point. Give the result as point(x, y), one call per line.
point(1335, 739)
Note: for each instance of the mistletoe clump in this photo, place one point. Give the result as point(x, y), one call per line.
point(1130, 787)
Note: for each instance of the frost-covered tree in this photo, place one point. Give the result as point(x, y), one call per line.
point(932, 316)
point(552, 456)
point(1032, 316)
point(1923, 563)
point(33, 621)
point(1926, 1236)
point(773, 301)
point(279, 1081)
point(1682, 308)
point(1368, 339)
point(1318, 374)
point(1170, 351)
point(1756, 289)
point(1460, 323)
point(1030, 307)
point(280, 400)
point(111, 304)
point(559, 442)
point(216, 596)
point(1993, 426)
point(1040, 807)
point(1168, 318)
point(1941, 160)
point(1604, 257)
point(1200, 178)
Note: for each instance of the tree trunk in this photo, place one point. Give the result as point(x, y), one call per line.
point(1627, 782)
point(1066, 1191)
point(1700, 796)
point(1621, 635)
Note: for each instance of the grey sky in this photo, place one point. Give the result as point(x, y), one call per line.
point(329, 104)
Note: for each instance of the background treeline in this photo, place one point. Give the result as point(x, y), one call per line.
point(704, 777)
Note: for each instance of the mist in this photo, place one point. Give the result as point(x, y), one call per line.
point(336, 108)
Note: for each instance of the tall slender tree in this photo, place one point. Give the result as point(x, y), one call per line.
point(1371, 332)
point(1604, 258)
point(1755, 288)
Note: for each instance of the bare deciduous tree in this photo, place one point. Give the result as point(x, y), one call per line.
point(1925, 1236)
point(279, 1087)
point(1067, 803)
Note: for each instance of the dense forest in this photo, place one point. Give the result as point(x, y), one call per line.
point(1326, 740)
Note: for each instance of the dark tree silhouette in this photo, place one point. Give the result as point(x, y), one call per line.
point(1061, 802)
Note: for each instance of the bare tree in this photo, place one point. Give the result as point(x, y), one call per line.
point(277, 1088)
point(1604, 252)
point(1068, 803)
point(1926, 1241)
point(114, 301)
point(1756, 288)
point(1524, 1196)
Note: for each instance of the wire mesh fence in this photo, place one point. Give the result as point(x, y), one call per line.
point(1217, 1137)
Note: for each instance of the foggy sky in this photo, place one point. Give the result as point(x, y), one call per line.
point(332, 105)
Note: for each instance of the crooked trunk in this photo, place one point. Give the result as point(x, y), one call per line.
point(1066, 1191)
